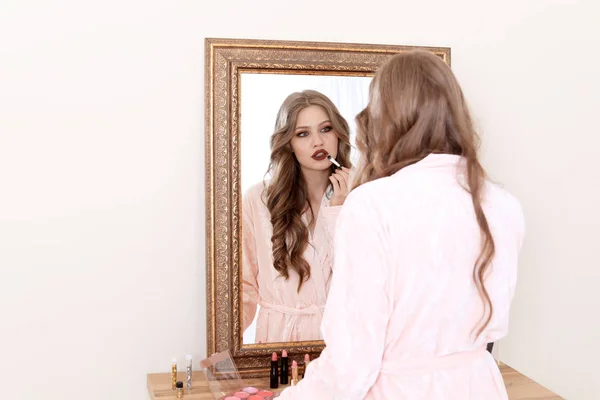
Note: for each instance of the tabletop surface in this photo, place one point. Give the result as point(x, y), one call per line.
point(519, 386)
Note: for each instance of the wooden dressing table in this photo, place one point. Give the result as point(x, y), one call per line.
point(159, 386)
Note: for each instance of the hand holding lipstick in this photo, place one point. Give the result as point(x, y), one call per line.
point(340, 181)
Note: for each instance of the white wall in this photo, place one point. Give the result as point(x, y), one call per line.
point(102, 180)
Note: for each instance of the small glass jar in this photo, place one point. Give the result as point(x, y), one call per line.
point(179, 386)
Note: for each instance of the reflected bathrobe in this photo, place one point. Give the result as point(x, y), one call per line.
point(285, 314)
point(402, 306)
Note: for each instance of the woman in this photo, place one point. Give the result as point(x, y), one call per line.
point(426, 251)
point(287, 227)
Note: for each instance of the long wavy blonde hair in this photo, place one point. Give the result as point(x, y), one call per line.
point(416, 108)
point(287, 193)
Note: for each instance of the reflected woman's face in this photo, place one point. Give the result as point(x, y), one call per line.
point(314, 139)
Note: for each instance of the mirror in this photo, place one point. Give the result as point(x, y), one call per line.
point(246, 83)
point(262, 96)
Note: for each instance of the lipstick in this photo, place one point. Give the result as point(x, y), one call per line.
point(284, 368)
point(306, 362)
point(274, 372)
point(294, 373)
point(333, 161)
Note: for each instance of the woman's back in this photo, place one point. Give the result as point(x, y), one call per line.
point(432, 241)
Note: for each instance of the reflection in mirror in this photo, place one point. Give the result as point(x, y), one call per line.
point(292, 194)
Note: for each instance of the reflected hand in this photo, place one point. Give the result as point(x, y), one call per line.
point(340, 180)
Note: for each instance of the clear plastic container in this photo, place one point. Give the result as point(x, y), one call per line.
point(224, 381)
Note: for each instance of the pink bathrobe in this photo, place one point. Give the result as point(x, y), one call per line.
point(285, 315)
point(402, 303)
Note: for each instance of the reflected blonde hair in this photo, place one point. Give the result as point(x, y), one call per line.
point(287, 193)
point(416, 108)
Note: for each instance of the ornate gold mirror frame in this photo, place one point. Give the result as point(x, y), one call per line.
point(225, 60)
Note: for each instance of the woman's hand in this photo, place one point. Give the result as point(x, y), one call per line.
point(340, 181)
